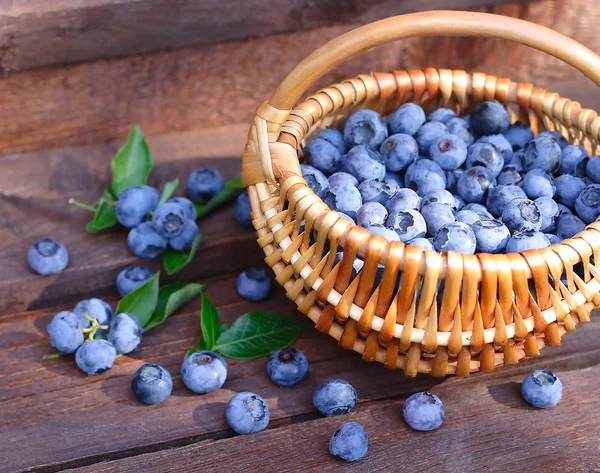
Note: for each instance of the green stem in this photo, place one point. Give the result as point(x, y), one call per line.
point(53, 356)
point(81, 205)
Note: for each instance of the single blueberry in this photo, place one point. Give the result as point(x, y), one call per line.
point(335, 397)
point(335, 137)
point(486, 155)
point(538, 183)
point(133, 205)
point(500, 142)
point(344, 199)
point(568, 225)
point(491, 235)
point(541, 389)
point(423, 411)
point(424, 176)
point(315, 179)
point(203, 184)
point(587, 204)
point(125, 332)
point(499, 196)
point(254, 284)
point(542, 153)
point(564, 209)
point(204, 371)
point(407, 119)
point(344, 178)
point(47, 257)
point(364, 127)
point(518, 134)
point(287, 367)
point(521, 215)
point(145, 242)
point(65, 332)
point(460, 127)
point(592, 169)
point(568, 188)
point(243, 210)
point(427, 134)
point(556, 136)
point(408, 224)
point(185, 240)
point(95, 356)
point(440, 196)
point(365, 163)
point(322, 155)
point(247, 413)
point(151, 384)
point(474, 183)
point(153, 194)
point(371, 213)
point(399, 151)
point(441, 115)
point(424, 243)
point(169, 219)
point(448, 151)
point(377, 190)
point(509, 176)
point(489, 118)
point(131, 278)
point(468, 216)
point(522, 241)
point(574, 160)
point(350, 442)
point(93, 308)
point(386, 233)
point(188, 206)
point(437, 215)
point(403, 199)
point(549, 210)
point(455, 236)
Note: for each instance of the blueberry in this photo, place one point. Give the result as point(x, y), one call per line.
point(491, 235)
point(335, 137)
point(516, 162)
point(556, 136)
point(315, 179)
point(467, 216)
point(427, 133)
point(323, 155)
point(587, 204)
point(452, 178)
point(399, 151)
point(47, 257)
point(489, 118)
point(424, 243)
point(344, 199)
point(151, 384)
point(133, 205)
point(436, 215)
point(125, 332)
point(95, 356)
point(95, 309)
point(448, 151)
point(553, 239)
point(349, 442)
point(403, 199)
point(564, 209)
point(441, 115)
point(287, 367)
point(473, 184)
point(568, 188)
point(486, 155)
point(455, 236)
point(592, 169)
point(65, 332)
point(479, 209)
point(522, 241)
point(394, 178)
point(371, 213)
point(131, 278)
point(390, 235)
point(407, 119)
point(203, 184)
point(568, 225)
point(522, 215)
point(549, 210)
point(518, 134)
point(423, 411)
point(188, 206)
point(364, 127)
point(460, 127)
point(335, 397)
point(146, 242)
point(254, 284)
point(500, 142)
point(377, 190)
point(574, 159)
point(365, 163)
point(247, 413)
point(408, 224)
point(242, 210)
point(344, 178)
point(542, 153)
point(204, 371)
point(541, 389)
point(509, 176)
point(153, 194)
point(499, 196)
point(185, 240)
point(538, 183)
point(458, 203)
point(169, 219)
point(441, 196)
point(424, 176)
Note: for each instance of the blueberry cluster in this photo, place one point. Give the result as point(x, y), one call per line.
point(443, 182)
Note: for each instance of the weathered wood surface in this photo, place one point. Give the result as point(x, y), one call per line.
point(218, 85)
point(39, 33)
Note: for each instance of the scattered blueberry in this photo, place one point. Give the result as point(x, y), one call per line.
point(133, 205)
point(95, 309)
point(287, 367)
point(323, 155)
point(427, 134)
point(204, 371)
point(65, 332)
point(125, 332)
point(95, 356)
point(335, 397)
point(131, 278)
point(203, 184)
point(408, 224)
point(455, 236)
point(184, 241)
point(423, 411)
point(349, 442)
point(247, 413)
point(151, 384)
point(243, 210)
point(315, 179)
point(254, 284)
point(146, 242)
point(365, 127)
point(407, 119)
point(541, 389)
point(522, 241)
point(47, 257)
point(489, 118)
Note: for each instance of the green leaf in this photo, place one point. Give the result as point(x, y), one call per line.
point(105, 216)
point(141, 302)
point(168, 190)
point(202, 344)
point(189, 352)
point(170, 298)
point(132, 164)
point(174, 261)
point(209, 321)
point(223, 328)
point(257, 334)
point(232, 189)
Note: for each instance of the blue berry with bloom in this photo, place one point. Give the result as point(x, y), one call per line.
point(455, 236)
point(568, 188)
point(350, 442)
point(323, 155)
point(518, 134)
point(549, 211)
point(489, 118)
point(187, 205)
point(365, 163)
point(364, 127)
point(344, 178)
point(408, 224)
point(427, 134)
point(436, 215)
point(542, 389)
point(423, 411)
point(448, 151)
point(459, 127)
point(169, 219)
point(542, 153)
point(377, 190)
point(335, 397)
point(521, 215)
point(203, 371)
point(486, 155)
point(522, 241)
point(185, 240)
point(474, 183)
point(203, 184)
point(131, 278)
point(95, 357)
point(399, 151)
point(538, 183)
point(134, 204)
point(254, 284)
point(287, 367)
point(243, 210)
point(151, 384)
point(145, 241)
point(498, 197)
point(424, 176)
point(587, 204)
point(403, 199)
point(47, 257)
point(344, 199)
point(407, 119)
point(125, 332)
point(247, 413)
point(441, 115)
point(500, 142)
point(574, 160)
point(335, 137)
point(370, 214)
point(491, 235)
point(65, 332)
point(556, 136)
point(568, 225)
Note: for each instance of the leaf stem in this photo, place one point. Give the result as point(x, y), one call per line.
point(52, 356)
point(81, 205)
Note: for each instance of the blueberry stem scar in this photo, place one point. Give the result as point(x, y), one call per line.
point(81, 205)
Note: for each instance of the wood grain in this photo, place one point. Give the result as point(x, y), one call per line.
point(40, 33)
point(217, 85)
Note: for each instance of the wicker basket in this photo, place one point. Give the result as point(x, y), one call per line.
point(488, 315)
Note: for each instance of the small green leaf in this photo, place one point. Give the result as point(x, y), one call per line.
point(170, 298)
point(232, 189)
point(257, 334)
point(174, 261)
point(132, 164)
point(189, 352)
point(142, 301)
point(105, 216)
point(168, 190)
point(209, 321)
point(201, 344)
point(223, 328)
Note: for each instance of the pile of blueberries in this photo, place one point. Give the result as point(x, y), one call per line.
point(443, 182)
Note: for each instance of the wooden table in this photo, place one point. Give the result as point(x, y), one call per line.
point(55, 418)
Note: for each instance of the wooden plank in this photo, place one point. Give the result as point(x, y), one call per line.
point(40, 33)
point(489, 429)
point(63, 418)
point(217, 85)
